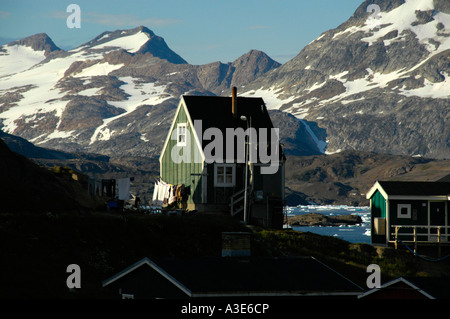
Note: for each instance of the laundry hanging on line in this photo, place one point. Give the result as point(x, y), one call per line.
point(167, 194)
point(124, 188)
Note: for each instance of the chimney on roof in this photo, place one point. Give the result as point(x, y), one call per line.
point(234, 101)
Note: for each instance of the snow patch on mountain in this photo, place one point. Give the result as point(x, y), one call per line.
point(403, 18)
point(271, 97)
point(18, 58)
point(371, 81)
point(430, 89)
point(56, 134)
point(101, 68)
point(433, 34)
point(131, 43)
point(321, 145)
point(42, 98)
point(139, 93)
point(90, 92)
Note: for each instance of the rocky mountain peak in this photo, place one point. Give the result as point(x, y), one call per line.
point(144, 29)
point(157, 47)
point(256, 57)
point(250, 66)
point(137, 41)
point(38, 42)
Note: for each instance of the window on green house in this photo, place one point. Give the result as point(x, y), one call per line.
point(181, 134)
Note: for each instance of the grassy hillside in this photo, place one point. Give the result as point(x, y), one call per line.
point(26, 186)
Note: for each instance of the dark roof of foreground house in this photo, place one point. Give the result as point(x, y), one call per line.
point(249, 276)
point(411, 288)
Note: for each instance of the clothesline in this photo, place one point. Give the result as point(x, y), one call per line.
point(159, 178)
point(167, 194)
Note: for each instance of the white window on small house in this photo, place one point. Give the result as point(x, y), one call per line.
point(127, 296)
point(181, 134)
point(224, 175)
point(404, 211)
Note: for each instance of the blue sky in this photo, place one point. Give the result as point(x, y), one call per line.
point(200, 31)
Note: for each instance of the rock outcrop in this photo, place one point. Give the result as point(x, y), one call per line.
point(316, 219)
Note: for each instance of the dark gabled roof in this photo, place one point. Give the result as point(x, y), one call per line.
point(416, 188)
point(438, 287)
point(251, 275)
point(446, 178)
point(399, 288)
point(303, 274)
point(216, 112)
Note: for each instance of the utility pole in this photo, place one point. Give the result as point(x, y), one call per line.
point(244, 118)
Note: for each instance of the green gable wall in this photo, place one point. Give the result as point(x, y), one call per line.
point(378, 205)
point(189, 173)
point(378, 209)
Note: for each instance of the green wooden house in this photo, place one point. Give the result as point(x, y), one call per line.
point(410, 212)
point(218, 145)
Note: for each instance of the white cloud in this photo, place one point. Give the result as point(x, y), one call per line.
point(121, 20)
point(4, 14)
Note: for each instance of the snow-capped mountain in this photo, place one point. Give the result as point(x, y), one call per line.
point(114, 95)
point(378, 82)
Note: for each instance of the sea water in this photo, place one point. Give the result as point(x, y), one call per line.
point(359, 233)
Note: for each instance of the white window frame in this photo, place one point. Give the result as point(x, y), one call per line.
point(224, 183)
point(399, 210)
point(127, 296)
point(179, 134)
